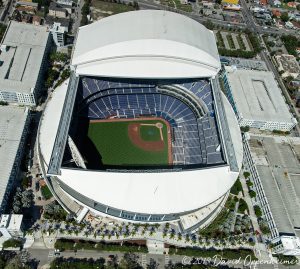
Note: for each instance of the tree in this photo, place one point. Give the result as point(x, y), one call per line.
point(27, 197)
point(152, 264)
point(249, 183)
point(209, 25)
point(237, 187)
point(291, 42)
point(58, 57)
point(65, 74)
point(284, 16)
point(242, 206)
point(54, 211)
point(246, 174)
point(252, 193)
point(12, 243)
point(245, 129)
point(129, 261)
point(257, 211)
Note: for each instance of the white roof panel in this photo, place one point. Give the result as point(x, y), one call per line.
point(146, 44)
point(152, 193)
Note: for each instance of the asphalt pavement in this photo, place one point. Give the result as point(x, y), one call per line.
point(45, 256)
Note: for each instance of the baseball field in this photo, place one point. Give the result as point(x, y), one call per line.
point(132, 142)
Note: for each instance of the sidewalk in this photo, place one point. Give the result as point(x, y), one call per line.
point(261, 250)
point(158, 238)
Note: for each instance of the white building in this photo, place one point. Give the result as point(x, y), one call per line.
point(274, 170)
point(23, 61)
point(287, 65)
point(58, 32)
point(160, 46)
point(257, 99)
point(65, 2)
point(290, 245)
point(14, 122)
point(11, 225)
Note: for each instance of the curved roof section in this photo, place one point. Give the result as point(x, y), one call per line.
point(156, 193)
point(152, 193)
point(146, 44)
point(50, 121)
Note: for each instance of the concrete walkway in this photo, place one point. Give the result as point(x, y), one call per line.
point(260, 248)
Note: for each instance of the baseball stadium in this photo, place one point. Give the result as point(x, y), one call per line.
point(141, 130)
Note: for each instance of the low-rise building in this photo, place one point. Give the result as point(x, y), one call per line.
point(36, 20)
point(57, 10)
point(11, 225)
point(287, 65)
point(276, 13)
point(65, 2)
point(274, 169)
point(23, 61)
point(233, 2)
point(58, 31)
point(231, 7)
point(257, 99)
point(14, 123)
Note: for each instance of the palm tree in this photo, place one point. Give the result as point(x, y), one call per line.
point(179, 236)
point(133, 232)
point(187, 238)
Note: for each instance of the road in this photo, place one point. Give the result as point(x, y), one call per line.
point(78, 16)
point(45, 256)
point(148, 4)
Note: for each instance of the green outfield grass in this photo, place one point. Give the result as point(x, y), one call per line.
point(112, 142)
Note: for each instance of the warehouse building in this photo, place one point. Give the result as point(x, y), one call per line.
point(23, 60)
point(257, 99)
point(14, 123)
point(274, 161)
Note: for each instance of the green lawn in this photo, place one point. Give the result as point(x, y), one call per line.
point(46, 192)
point(112, 142)
point(114, 8)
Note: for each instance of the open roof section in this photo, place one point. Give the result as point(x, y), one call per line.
point(186, 104)
point(168, 44)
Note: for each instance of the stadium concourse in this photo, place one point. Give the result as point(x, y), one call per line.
point(162, 73)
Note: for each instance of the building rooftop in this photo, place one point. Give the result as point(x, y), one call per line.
point(257, 95)
point(15, 222)
point(12, 122)
point(277, 161)
point(22, 51)
point(4, 221)
point(245, 63)
point(288, 63)
point(63, 21)
point(57, 7)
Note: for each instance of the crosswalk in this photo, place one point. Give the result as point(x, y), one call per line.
point(144, 260)
point(167, 259)
point(51, 254)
